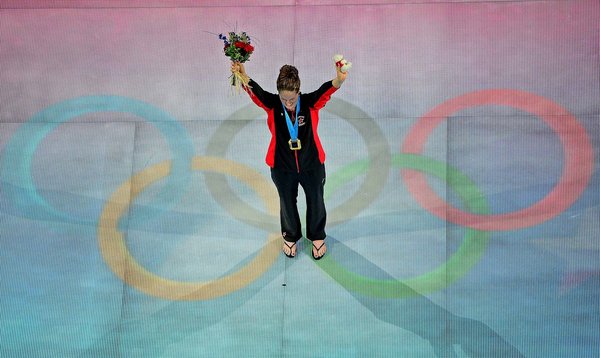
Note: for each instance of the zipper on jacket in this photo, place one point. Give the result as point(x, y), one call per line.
point(297, 165)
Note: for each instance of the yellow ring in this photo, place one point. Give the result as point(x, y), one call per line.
point(124, 265)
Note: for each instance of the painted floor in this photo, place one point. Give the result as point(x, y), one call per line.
point(138, 217)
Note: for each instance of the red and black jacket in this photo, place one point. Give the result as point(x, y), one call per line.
point(279, 154)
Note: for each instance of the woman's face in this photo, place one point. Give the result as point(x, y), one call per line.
point(289, 99)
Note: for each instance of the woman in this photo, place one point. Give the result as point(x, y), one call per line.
point(295, 154)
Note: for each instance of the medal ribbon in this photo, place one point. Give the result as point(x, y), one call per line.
point(293, 129)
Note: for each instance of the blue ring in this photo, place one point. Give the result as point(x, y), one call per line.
point(15, 168)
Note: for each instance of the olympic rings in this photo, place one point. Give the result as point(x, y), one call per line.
point(467, 255)
point(123, 264)
point(578, 155)
point(21, 148)
point(577, 171)
point(371, 187)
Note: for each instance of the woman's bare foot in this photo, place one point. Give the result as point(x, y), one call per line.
point(289, 248)
point(319, 249)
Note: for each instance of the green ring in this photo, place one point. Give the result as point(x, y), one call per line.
point(468, 254)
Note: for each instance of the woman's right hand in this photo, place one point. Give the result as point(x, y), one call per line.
point(238, 67)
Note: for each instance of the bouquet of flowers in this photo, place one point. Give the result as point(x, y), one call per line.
point(238, 48)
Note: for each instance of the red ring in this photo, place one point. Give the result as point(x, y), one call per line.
point(576, 174)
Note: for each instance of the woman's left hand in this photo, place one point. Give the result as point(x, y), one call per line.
point(340, 77)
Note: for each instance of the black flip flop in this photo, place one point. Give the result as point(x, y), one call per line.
point(289, 247)
point(317, 248)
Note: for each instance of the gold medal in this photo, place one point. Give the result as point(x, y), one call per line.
point(295, 145)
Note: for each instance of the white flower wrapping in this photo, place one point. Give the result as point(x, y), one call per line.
point(342, 63)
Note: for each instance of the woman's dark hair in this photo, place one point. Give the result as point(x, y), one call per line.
point(288, 79)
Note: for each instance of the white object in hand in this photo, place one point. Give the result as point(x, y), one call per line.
point(342, 63)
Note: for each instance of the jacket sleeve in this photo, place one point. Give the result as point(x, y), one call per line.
point(321, 96)
point(259, 96)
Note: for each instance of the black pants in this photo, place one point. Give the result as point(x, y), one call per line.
point(313, 182)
